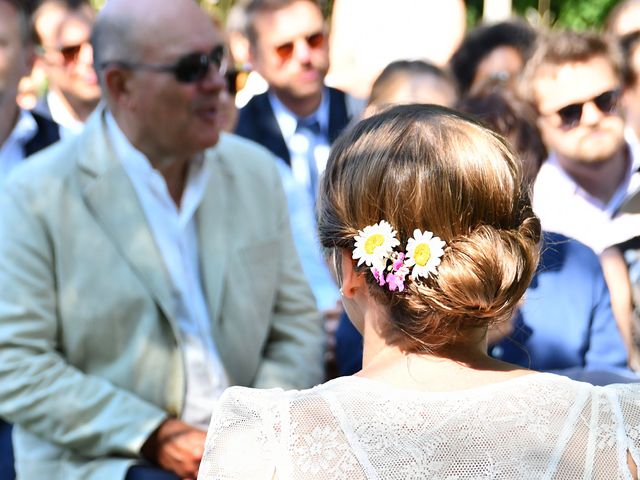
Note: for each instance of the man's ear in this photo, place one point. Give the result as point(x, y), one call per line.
point(353, 281)
point(117, 82)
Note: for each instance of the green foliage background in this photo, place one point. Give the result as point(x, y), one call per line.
point(576, 14)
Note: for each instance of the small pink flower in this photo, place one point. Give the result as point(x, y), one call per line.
point(398, 262)
point(395, 283)
point(378, 276)
point(402, 272)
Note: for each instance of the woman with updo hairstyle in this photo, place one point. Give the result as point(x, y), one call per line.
point(428, 222)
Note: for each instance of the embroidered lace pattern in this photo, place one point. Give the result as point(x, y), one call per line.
point(539, 426)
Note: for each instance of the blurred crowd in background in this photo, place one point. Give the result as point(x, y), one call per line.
point(298, 74)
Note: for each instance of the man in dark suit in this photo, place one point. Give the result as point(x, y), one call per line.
point(21, 133)
point(299, 117)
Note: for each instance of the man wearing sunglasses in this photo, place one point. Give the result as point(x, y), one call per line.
point(62, 30)
point(298, 117)
point(574, 80)
point(146, 264)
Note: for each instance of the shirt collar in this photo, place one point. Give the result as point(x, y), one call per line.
point(288, 121)
point(568, 184)
point(61, 114)
point(129, 156)
point(139, 169)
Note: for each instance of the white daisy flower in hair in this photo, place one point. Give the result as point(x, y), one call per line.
point(424, 251)
point(374, 244)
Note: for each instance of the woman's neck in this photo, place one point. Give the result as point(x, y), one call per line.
point(456, 367)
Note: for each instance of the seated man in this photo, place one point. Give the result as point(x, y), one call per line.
point(143, 272)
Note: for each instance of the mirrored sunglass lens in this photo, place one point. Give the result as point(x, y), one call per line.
point(285, 50)
point(570, 115)
point(606, 102)
point(192, 68)
point(316, 40)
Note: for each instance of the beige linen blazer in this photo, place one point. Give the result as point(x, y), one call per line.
point(90, 352)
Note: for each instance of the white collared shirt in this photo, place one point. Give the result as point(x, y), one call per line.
point(564, 207)
point(298, 143)
point(12, 150)
point(69, 125)
point(175, 233)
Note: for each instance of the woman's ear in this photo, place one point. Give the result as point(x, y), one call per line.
point(352, 280)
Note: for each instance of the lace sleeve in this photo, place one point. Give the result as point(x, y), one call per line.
point(629, 402)
point(243, 436)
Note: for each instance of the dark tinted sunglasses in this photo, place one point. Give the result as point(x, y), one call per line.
point(285, 51)
point(571, 115)
point(70, 53)
point(188, 69)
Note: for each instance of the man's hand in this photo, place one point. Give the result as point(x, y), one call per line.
point(177, 447)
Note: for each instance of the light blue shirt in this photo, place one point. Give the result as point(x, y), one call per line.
point(175, 232)
point(12, 150)
point(304, 145)
point(300, 192)
point(305, 238)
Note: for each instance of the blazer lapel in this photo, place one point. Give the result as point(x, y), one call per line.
point(214, 231)
point(110, 195)
point(338, 115)
point(47, 134)
point(271, 135)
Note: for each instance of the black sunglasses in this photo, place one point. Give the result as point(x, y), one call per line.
point(188, 69)
point(571, 115)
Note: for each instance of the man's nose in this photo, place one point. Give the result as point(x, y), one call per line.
point(85, 55)
point(591, 114)
point(302, 51)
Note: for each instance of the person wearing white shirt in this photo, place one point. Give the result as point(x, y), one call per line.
point(147, 263)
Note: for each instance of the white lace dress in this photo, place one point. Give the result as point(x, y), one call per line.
point(539, 426)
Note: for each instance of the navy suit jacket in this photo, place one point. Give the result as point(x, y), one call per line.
point(47, 134)
point(257, 122)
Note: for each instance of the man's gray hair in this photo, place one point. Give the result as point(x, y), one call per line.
point(112, 41)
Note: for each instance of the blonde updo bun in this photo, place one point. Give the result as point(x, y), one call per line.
point(428, 167)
